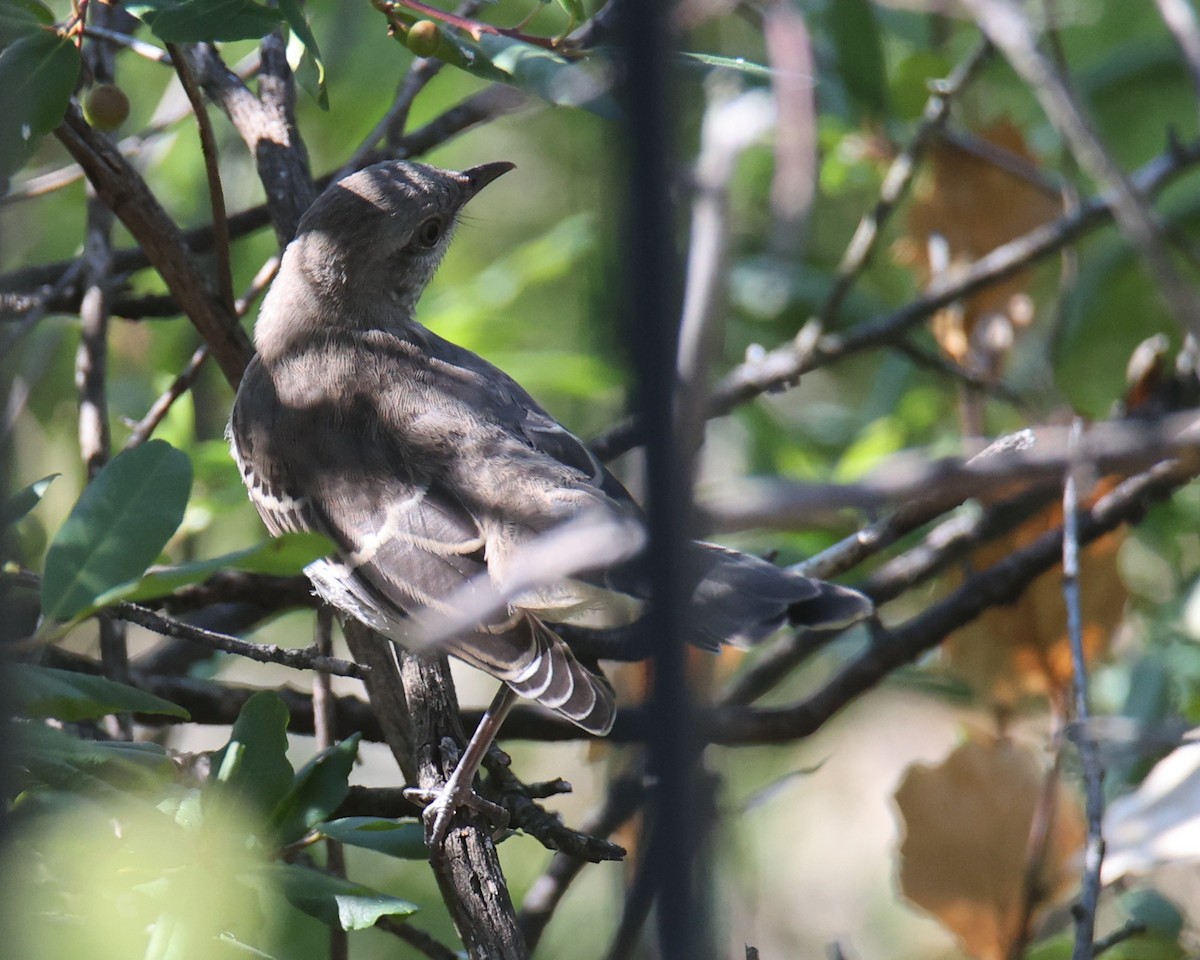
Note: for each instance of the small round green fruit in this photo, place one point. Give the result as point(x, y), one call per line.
point(424, 38)
point(106, 107)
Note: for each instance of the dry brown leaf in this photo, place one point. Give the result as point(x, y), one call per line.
point(1021, 649)
point(966, 832)
point(967, 206)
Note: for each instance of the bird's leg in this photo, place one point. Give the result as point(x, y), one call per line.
point(459, 791)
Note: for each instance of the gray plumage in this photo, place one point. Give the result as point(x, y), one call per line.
point(430, 468)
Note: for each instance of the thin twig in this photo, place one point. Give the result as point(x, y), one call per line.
point(145, 427)
point(1093, 774)
point(91, 359)
point(325, 734)
point(548, 829)
point(140, 47)
point(125, 192)
point(262, 652)
point(216, 194)
point(1116, 446)
point(625, 795)
point(897, 180)
point(960, 374)
point(733, 121)
point(472, 27)
point(419, 940)
point(391, 125)
point(1131, 928)
point(1041, 830)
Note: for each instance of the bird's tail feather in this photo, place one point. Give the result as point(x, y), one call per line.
point(741, 599)
point(534, 661)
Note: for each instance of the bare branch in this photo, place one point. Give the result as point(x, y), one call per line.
point(625, 795)
point(1117, 446)
point(266, 125)
point(419, 940)
point(1008, 27)
point(467, 868)
point(216, 195)
point(1093, 774)
point(1000, 583)
point(145, 427)
point(262, 652)
point(812, 348)
point(897, 180)
point(124, 191)
point(140, 47)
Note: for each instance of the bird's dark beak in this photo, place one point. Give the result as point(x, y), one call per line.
point(479, 177)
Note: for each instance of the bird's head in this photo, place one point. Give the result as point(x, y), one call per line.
point(368, 246)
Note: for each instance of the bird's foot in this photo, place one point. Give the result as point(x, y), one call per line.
point(458, 794)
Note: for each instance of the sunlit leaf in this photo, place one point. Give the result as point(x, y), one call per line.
point(282, 556)
point(253, 769)
point(319, 787)
point(304, 55)
point(335, 901)
point(121, 523)
point(536, 70)
point(19, 504)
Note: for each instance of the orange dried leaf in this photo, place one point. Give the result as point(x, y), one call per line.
point(967, 825)
point(969, 204)
point(1021, 649)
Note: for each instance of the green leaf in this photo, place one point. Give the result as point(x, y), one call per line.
point(18, 505)
point(196, 21)
point(335, 901)
point(536, 70)
point(739, 64)
point(320, 786)
point(119, 526)
point(283, 556)
point(396, 838)
point(855, 34)
point(911, 78)
point(64, 695)
point(545, 74)
point(55, 758)
point(304, 55)
point(253, 767)
point(37, 74)
point(21, 18)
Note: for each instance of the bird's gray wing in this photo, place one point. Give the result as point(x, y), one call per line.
point(327, 457)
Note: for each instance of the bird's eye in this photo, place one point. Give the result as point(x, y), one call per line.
point(429, 232)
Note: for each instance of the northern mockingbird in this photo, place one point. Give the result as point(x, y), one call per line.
point(434, 472)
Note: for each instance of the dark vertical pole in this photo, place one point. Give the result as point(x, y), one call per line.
point(653, 289)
